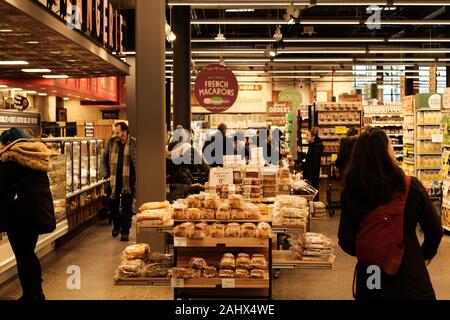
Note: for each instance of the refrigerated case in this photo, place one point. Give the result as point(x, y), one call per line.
point(93, 161)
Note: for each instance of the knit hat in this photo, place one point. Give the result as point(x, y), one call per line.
point(12, 135)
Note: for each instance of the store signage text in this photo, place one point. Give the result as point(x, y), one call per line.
point(216, 88)
point(96, 18)
point(279, 107)
point(18, 120)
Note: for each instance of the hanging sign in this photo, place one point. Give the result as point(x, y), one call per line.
point(216, 88)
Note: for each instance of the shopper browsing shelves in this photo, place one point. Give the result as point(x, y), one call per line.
point(374, 181)
point(26, 205)
point(345, 151)
point(119, 167)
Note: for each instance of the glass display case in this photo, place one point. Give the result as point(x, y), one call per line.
point(76, 161)
point(57, 177)
point(85, 159)
point(93, 161)
point(100, 150)
point(69, 166)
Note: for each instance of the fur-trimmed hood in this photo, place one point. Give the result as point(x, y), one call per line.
point(33, 155)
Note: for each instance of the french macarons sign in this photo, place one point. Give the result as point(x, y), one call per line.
point(216, 88)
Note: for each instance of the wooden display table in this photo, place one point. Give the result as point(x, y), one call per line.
point(288, 260)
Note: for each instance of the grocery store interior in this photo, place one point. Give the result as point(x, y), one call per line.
point(245, 229)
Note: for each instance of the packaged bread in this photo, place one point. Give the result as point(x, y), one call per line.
point(252, 189)
point(217, 230)
point(160, 258)
point(294, 212)
point(242, 274)
point(194, 201)
point(252, 212)
point(180, 273)
point(228, 262)
point(270, 188)
point(237, 214)
point(130, 268)
point(155, 270)
point(183, 230)
point(258, 261)
point(209, 272)
point(211, 201)
point(248, 230)
point(243, 261)
point(263, 209)
point(233, 230)
point(197, 263)
point(257, 274)
point(223, 213)
point(236, 201)
point(161, 215)
point(199, 231)
point(293, 221)
point(284, 173)
point(252, 173)
point(263, 230)
point(227, 274)
point(154, 206)
point(252, 182)
point(195, 273)
point(195, 214)
point(139, 251)
point(209, 214)
point(179, 211)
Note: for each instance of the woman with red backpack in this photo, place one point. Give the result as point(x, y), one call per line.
point(381, 208)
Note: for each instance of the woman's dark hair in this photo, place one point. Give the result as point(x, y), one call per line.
point(372, 174)
point(314, 133)
point(12, 135)
point(351, 132)
point(122, 126)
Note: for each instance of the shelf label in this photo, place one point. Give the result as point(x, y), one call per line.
point(334, 157)
point(228, 283)
point(219, 176)
point(341, 130)
point(177, 283)
point(180, 242)
point(437, 138)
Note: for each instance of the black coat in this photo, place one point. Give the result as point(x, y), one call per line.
point(311, 167)
point(26, 201)
point(412, 280)
point(345, 154)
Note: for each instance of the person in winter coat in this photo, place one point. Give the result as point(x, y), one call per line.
point(311, 167)
point(26, 205)
point(345, 151)
point(372, 178)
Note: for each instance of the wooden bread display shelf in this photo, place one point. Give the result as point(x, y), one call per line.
point(288, 260)
point(217, 283)
point(288, 228)
point(221, 242)
point(146, 224)
point(129, 281)
point(267, 219)
point(324, 218)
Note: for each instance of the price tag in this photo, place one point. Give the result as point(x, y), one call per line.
point(177, 283)
point(219, 176)
point(437, 138)
point(228, 283)
point(334, 157)
point(341, 130)
point(180, 242)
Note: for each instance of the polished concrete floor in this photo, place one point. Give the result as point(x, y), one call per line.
point(97, 255)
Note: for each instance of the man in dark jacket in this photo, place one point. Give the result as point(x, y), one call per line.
point(119, 167)
point(26, 205)
point(311, 167)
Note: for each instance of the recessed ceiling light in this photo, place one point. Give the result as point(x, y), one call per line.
point(16, 89)
point(13, 63)
point(33, 42)
point(3, 86)
point(65, 99)
point(36, 70)
point(31, 92)
point(6, 30)
point(54, 91)
point(42, 94)
point(72, 60)
point(55, 52)
point(56, 76)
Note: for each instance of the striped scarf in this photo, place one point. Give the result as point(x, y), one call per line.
point(113, 160)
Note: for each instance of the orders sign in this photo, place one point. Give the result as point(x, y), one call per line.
point(216, 88)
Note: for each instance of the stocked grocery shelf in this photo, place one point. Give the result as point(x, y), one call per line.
point(235, 283)
point(288, 260)
point(263, 219)
point(154, 282)
point(339, 124)
point(429, 153)
point(395, 134)
point(390, 115)
point(86, 188)
point(386, 124)
point(429, 168)
point(221, 242)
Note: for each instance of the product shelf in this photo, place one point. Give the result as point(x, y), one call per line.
point(339, 124)
point(266, 219)
point(288, 260)
point(153, 282)
point(429, 124)
point(234, 283)
point(221, 242)
point(386, 124)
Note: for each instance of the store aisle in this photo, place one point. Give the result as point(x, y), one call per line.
point(97, 255)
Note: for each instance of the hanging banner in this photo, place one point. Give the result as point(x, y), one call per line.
point(216, 88)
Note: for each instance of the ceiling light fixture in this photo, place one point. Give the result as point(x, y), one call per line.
point(313, 60)
point(5, 30)
point(13, 63)
point(61, 76)
point(170, 35)
point(3, 86)
point(42, 94)
point(36, 70)
point(31, 92)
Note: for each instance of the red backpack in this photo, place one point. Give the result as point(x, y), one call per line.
point(380, 236)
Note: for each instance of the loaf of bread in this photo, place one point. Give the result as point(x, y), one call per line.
point(248, 230)
point(209, 272)
point(217, 230)
point(264, 230)
point(227, 274)
point(209, 214)
point(242, 274)
point(237, 214)
point(180, 273)
point(194, 201)
point(195, 213)
point(183, 230)
point(199, 231)
point(233, 230)
point(139, 251)
point(197, 263)
point(228, 262)
point(154, 206)
point(243, 261)
point(258, 261)
point(211, 201)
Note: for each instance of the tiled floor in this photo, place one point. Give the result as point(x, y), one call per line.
point(97, 255)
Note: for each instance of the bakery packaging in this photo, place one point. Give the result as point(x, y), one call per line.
point(179, 211)
point(195, 273)
point(226, 273)
point(248, 230)
point(195, 214)
point(130, 268)
point(228, 262)
point(197, 263)
point(242, 274)
point(243, 261)
point(211, 201)
point(155, 270)
point(258, 261)
point(209, 214)
point(252, 212)
point(233, 230)
point(154, 206)
point(223, 213)
point(217, 230)
point(139, 251)
point(257, 274)
point(209, 272)
point(199, 231)
point(237, 214)
point(183, 230)
point(236, 201)
point(194, 201)
point(263, 230)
